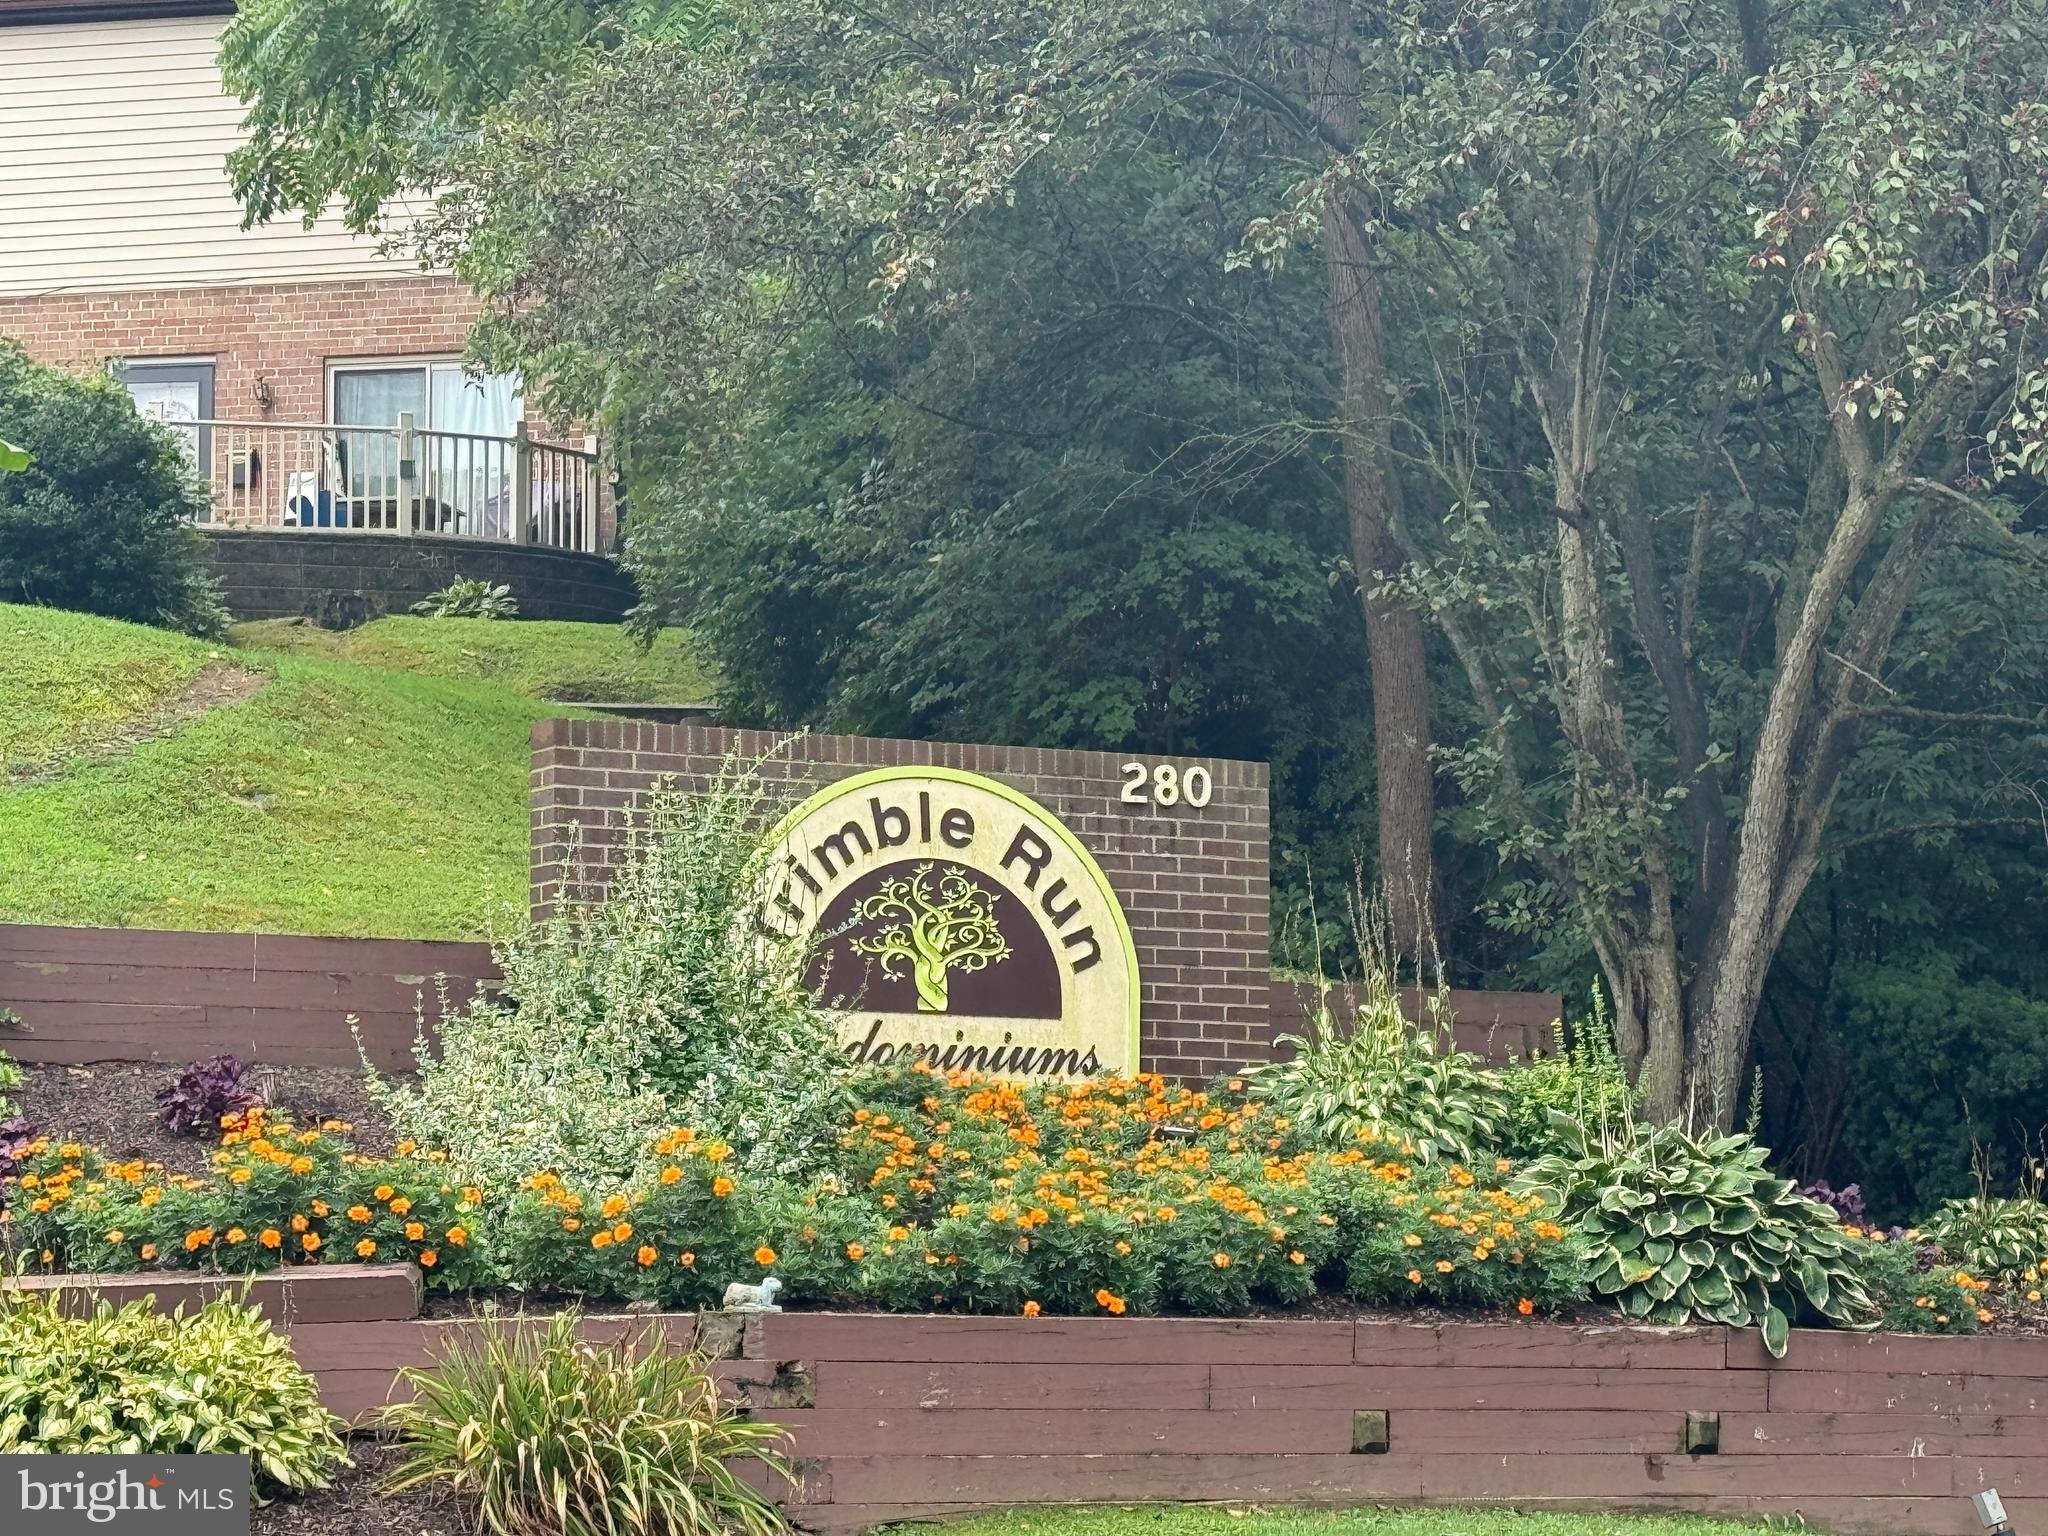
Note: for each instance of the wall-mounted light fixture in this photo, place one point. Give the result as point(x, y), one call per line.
point(265, 396)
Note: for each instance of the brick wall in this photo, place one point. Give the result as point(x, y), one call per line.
point(1193, 884)
point(285, 333)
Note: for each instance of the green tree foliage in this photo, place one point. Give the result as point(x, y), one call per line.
point(966, 368)
point(98, 517)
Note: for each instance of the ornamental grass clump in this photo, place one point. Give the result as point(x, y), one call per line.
point(663, 1001)
point(1683, 1227)
point(137, 1381)
point(535, 1429)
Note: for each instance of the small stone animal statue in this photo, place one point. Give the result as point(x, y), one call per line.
point(741, 1297)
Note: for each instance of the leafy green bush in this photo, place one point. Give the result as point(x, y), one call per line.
point(1111, 1195)
point(1684, 1227)
point(468, 597)
point(1382, 1075)
point(1915, 1288)
point(278, 1195)
point(661, 1003)
point(99, 519)
point(535, 1429)
point(2002, 1238)
point(1582, 1078)
point(135, 1381)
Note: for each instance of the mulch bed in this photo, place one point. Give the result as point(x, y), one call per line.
point(112, 1106)
point(354, 1506)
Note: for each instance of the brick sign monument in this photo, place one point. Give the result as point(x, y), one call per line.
point(1018, 910)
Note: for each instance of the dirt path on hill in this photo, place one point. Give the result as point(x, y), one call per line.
point(219, 686)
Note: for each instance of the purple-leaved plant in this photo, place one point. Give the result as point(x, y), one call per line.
point(194, 1101)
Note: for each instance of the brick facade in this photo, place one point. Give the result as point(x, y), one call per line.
point(1192, 884)
point(284, 334)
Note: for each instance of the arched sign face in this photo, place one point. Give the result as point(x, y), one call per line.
point(958, 923)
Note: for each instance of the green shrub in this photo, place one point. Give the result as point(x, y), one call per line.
point(467, 597)
point(136, 1381)
point(1915, 1288)
point(277, 1195)
point(662, 1003)
point(1385, 1076)
point(1684, 1227)
point(536, 1430)
point(99, 520)
point(1113, 1195)
point(1582, 1078)
point(2002, 1238)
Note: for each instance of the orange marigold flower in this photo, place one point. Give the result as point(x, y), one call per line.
point(1222, 1261)
point(299, 1222)
point(899, 1234)
point(1031, 1309)
point(236, 1235)
point(149, 1250)
point(1444, 1266)
point(198, 1238)
point(646, 1255)
point(600, 1240)
point(310, 1242)
point(721, 1186)
point(270, 1237)
point(414, 1231)
point(429, 1258)
point(457, 1236)
point(1412, 1240)
point(622, 1231)
point(382, 1192)
point(365, 1248)
point(856, 1252)
point(359, 1213)
point(764, 1255)
point(400, 1206)
point(670, 1174)
point(1525, 1306)
point(1415, 1277)
point(687, 1260)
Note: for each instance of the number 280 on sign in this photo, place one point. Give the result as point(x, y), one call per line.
point(1164, 784)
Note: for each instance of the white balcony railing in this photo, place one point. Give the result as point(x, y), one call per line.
point(407, 480)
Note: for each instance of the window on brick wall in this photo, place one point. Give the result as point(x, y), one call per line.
point(465, 463)
point(176, 392)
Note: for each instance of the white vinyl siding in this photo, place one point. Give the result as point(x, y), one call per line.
point(113, 141)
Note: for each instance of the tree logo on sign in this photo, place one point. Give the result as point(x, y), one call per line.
point(942, 922)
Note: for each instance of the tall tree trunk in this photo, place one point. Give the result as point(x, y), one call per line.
point(1409, 882)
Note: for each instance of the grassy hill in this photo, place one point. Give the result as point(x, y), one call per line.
point(543, 660)
point(347, 784)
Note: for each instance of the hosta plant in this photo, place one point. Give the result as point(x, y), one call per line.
point(538, 1429)
point(467, 597)
point(1382, 1074)
point(137, 1381)
point(1690, 1227)
point(1998, 1237)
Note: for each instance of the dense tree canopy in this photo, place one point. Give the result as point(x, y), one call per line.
point(1664, 377)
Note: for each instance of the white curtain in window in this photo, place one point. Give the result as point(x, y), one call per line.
point(473, 479)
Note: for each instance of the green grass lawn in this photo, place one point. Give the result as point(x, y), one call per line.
point(340, 798)
point(1216, 1520)
point(595, 662)
point(68, 681)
